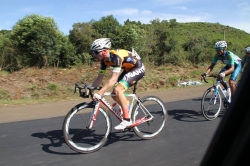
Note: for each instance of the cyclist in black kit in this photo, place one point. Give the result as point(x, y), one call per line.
point(133, 70)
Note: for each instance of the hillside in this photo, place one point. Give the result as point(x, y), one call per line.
point(211, 32)
point(191, 52)
point(42, 85)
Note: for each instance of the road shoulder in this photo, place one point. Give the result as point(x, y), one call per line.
point(56, 109)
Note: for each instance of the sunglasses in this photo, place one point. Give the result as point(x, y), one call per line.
point(219, 48)
point(96, 52)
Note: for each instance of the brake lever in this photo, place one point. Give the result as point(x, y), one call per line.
point(204, 77)
point(205, 80)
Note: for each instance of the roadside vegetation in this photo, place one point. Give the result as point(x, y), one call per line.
point(39, 63)
point(33, 85)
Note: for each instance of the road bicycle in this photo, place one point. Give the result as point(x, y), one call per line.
point(213, 98)
point(87, 125)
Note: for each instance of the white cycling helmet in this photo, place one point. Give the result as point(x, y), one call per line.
point(100, 44)
point(220, 44)
point(247, 50)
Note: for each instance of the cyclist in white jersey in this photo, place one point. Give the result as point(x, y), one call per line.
point(232, 61)
point(120, 59)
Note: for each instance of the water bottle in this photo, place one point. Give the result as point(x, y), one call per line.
point(128, 105)
point(214, 97)
point(225, 92)
point(117, 108)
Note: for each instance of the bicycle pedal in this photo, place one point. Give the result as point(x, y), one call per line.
point(126, 129)
point(148, 118)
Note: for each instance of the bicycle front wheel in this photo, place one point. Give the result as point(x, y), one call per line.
point(153, 108)
point(75, 128)
point(211, 107)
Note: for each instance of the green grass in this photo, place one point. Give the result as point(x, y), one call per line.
point(4, 73)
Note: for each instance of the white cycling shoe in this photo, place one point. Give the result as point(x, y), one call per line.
point(123, 125)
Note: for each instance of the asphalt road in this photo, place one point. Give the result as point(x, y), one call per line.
point(183, 142)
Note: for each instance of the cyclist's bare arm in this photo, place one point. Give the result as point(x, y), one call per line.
point(209, 69)
point(111, 82)
point(98, 80)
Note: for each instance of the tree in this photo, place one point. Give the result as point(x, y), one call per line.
point(162, 41)
point(38, 40)
point(81, 36)
point(67, 54)
point(8, 59)
point(132, 22)
point(131, 36)
point(173, 23)
point(107, 27)
point(198, 48)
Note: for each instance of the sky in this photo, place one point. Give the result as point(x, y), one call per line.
point(233, 13)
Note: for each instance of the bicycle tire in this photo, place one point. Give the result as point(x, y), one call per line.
point(78, 137)
point(152, 128)
point(210, 110)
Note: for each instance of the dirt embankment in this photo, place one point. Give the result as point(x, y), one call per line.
point(32, 84)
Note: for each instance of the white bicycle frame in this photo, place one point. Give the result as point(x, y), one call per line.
point(118, 114)
point(218, 89)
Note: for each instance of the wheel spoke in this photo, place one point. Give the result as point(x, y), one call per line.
point(157, 113)
point(81, 139)
point(211, 106)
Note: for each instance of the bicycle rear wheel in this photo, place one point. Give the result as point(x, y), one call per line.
point(78, 136)
point(153, 127)
point(211, 107)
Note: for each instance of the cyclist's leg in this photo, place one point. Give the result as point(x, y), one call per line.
point(115, 98)
point(121, 99)
point(233, 77)
point(223, 70)
point(129, 78)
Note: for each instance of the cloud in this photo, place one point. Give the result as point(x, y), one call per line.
point(125, 11)
point(181, 8)
point(244, 8)
point(35, 9)
point(146, 12)
point(27, 9)
point(242, 4)
point(169, 2)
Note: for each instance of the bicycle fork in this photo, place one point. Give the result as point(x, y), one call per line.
point(93, 116)
point(214, 96)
